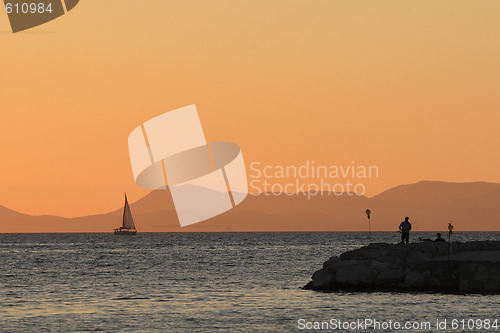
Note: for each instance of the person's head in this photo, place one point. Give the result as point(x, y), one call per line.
point(439, 235)
point(407, 219)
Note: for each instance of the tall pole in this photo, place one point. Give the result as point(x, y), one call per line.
point(450, 231)
point(368, 212)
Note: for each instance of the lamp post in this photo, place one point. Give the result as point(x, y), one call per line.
point(450, 231)
point(368, 212)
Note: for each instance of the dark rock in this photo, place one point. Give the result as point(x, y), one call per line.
point(389, 277)
point(350, 276)
point(332, 264)
point(322, 280)
point(468, 267)
point(416, 280)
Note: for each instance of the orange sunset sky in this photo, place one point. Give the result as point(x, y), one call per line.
point(409, 86)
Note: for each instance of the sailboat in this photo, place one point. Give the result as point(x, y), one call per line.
point(128, 226)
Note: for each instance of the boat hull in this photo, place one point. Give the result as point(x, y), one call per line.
point(125, 232)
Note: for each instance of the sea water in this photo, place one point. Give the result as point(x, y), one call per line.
point(204, 282)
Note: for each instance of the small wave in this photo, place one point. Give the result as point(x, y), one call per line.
point(129, 298)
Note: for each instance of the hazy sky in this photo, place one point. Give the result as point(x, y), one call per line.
point(409, 86)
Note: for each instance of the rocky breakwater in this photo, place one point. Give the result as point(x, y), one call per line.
point(425, 266)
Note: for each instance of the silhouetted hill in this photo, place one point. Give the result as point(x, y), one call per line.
point(436, 191)
point(430, 205)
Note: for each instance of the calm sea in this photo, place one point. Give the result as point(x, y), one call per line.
point(200, 282)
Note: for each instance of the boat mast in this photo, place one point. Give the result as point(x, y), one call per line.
point(124, 210)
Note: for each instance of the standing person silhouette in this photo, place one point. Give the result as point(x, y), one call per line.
point(405, 228)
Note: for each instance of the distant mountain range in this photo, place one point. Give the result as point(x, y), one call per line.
point(430, 206)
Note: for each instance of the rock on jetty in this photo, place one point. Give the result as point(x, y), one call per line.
point(425, 266)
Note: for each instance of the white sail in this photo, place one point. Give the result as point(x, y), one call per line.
point(128, 221)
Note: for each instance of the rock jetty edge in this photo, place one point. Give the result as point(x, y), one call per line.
point(470, 267)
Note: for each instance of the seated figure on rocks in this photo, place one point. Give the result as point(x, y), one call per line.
point(405, 228)
point(439, 238)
